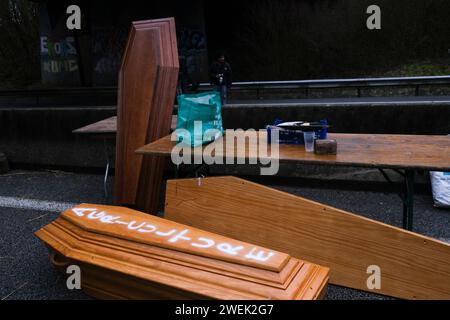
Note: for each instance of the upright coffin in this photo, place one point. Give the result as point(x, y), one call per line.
point(146, 94)
point(124, 254)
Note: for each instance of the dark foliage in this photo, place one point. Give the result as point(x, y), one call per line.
point(295, 39)
point(19, 43)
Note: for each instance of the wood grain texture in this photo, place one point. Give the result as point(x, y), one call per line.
point(126, 254)
point(366, 150)
point(146, 94)
point(412, 266)
point(109, 125)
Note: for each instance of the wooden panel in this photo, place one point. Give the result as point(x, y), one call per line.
point(108, 125)
point(412, 266)
point(127, 254)
point(147, 88)
point(367, 150)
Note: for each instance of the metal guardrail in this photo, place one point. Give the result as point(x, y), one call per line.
point(37, 94)
point(259, 86)
point(357, 83)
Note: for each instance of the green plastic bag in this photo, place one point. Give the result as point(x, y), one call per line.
point(197, 114)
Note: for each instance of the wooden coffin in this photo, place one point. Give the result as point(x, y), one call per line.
point(125, 254)
point(412, 266)
point(146, 94)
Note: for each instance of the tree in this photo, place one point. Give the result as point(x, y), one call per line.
point(19, 43)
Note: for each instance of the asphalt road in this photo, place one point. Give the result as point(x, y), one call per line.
point(29, 200)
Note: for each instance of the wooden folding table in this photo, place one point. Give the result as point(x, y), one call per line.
point(105, 130)
point(402, 153)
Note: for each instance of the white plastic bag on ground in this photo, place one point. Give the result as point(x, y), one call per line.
point(440, 184)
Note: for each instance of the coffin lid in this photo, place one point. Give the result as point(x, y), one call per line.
point(128, 224)
point(117, 239)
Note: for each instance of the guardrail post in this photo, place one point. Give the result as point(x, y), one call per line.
point(358, 90)
point(417, 90)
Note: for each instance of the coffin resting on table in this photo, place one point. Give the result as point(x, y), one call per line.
point(125, 254)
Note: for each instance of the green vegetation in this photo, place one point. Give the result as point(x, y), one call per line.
point(19, 43)
point(305, 39)
point(418, 68)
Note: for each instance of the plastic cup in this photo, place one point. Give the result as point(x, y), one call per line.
point(309, 140)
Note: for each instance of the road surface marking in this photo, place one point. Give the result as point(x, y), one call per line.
point(34, 204)
point(15, 290)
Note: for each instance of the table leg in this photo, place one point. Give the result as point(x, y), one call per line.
point(194, 171)
point(407, 195)
point(177, 171)
point(197, 170)
point(105, 178)
point(408, 200)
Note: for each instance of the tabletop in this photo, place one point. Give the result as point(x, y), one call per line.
point(425, 152)
point(109, 125)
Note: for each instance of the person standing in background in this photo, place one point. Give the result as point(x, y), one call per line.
point(220, 76)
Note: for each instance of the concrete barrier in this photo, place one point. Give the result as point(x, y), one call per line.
point(43, 137)
point(3, 163)
point(432, 117)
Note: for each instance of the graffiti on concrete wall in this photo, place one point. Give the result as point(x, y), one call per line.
point(58, 56)
point(193, 54)
point(109, 43)
point(108, 46)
